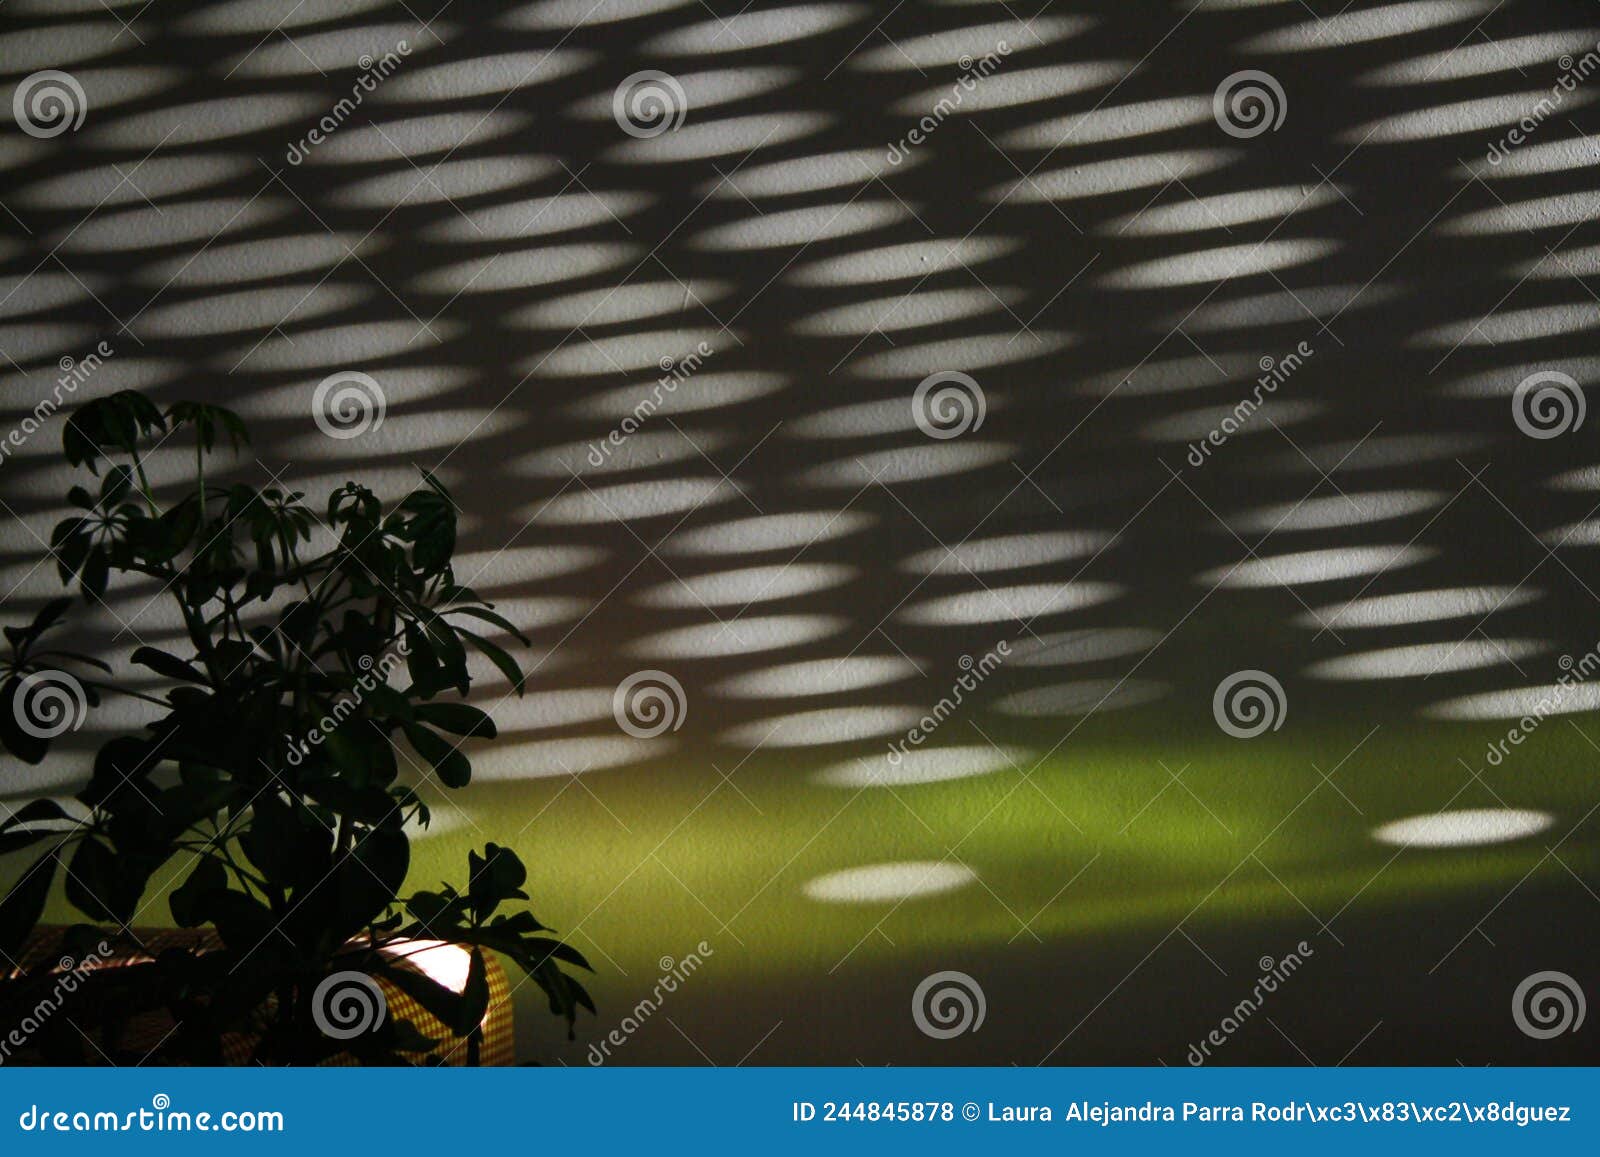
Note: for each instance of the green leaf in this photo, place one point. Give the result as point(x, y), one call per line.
point(78, 657)
point(347, 753)
point(450, 654)
point(474, 996)
point(242, 922)
point(366, 882)
point(454, 769)
point(23, 828)
point(35, 812)
point(520, 923)
point(47, 616)
point(113, 422)
point(458, 718)
point(386, 700)
point(101, 884)
point(24, 745)
point(439, 1000)
point(121, 764)
point(489, 616)
point(94, 576)
point(231, 656)
point(207, 420)
point(495, 876)
point(163, 539)
point(427, 520)
point(163, 663)
point(369, 805)
point(496, 655)
point(190, 901)
point(422, 664)
point(544, 949)
point(287, 843)
point(118, 481)
point(435, 911)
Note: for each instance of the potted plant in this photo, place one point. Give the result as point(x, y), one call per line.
point(321, 654)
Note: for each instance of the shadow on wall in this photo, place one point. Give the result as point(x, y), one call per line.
point(1219, 314)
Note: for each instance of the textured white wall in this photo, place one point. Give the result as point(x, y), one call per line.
point(1111, 261)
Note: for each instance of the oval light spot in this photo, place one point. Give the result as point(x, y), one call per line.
point(829, 725)
point(1472, 827)
point(1425, 659)
point(885, 883)
point(914, 766)
point(1523, 702)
